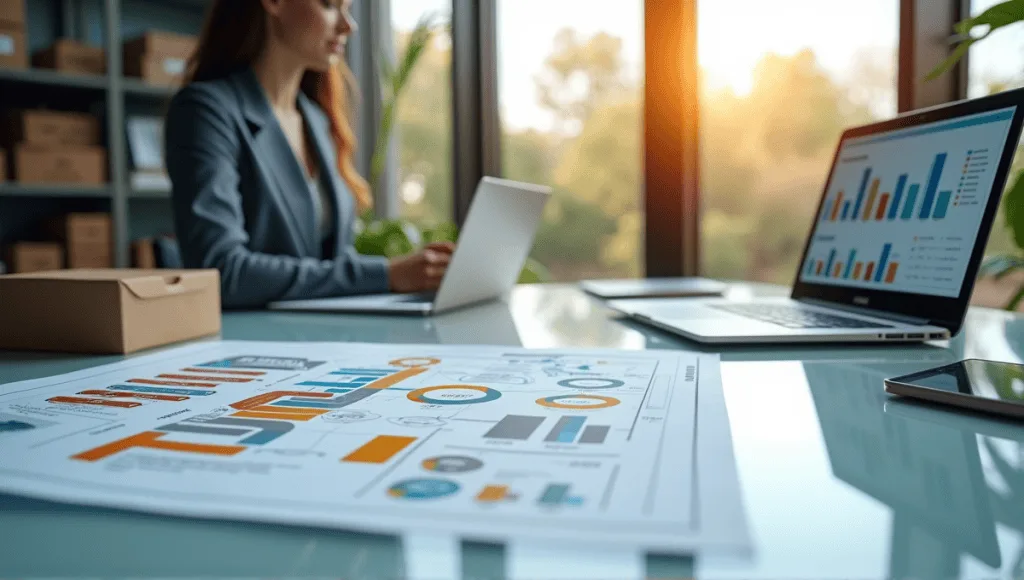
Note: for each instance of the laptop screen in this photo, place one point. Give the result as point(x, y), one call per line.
point(904, 208)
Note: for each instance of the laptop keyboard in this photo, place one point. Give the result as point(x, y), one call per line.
point(424, 297)
point(795, 317)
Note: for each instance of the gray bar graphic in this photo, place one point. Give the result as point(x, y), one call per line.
point(341, 401)
point(557, 430)
point(594, 434)
point(518, 427)
point(554, 494)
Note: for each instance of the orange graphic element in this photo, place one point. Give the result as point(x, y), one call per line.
point(871, 199)
point(492, 493)
point(821, 266)
point(835, 210)
point(96, 402)
point(556, 402)
point(144, 396)
point(380, 450)
point(890, 275)
point(882, 206)
point(392, 380)
point(856, 270)
point(267, 398)
point(415, 362)
point(870, 272)
point(278, 416)
point(837, 269)
point(299, 411)
point(171, 383)
point(225, 372)
point(218, 379)
point(151, 440)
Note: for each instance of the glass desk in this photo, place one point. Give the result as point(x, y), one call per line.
point(838, 481)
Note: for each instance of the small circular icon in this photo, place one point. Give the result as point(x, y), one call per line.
point(591, 383)
point(415, 362)
point(582, 402)
point(423, 489)
point(453, 395)
point(452, 464)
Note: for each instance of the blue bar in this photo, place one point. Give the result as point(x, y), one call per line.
point(810, 267)
point(860, 193)
point(340, 391)
point(324, 384)
point(943, 205)
point(363, 372)
point(831, 260)
point(849, 265)
point(827, 211)
point(846, 210)
point(1004, 115)
point(908, 209)
point(933, 185)
point(897, 197)
point(162, 391)
point(554, 494)
point(883, 262)
point(571, 429)
point(309, 405)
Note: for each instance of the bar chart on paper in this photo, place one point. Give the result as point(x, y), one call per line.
point(903, 209)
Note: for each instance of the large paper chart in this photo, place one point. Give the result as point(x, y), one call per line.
point(488, 443)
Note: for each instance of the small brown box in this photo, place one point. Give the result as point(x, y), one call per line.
point(3, 166)
point(107, 311)
point(155, 43)
point(82, 228)
point(67, 165)
point(159, 70)
point(90, 255)
point(71, 56)
point(51, 128)
point(143, 254)
point(13, 49)
point(12, 13)
point(25, 257)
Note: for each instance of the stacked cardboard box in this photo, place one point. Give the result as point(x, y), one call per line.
point(13, 45)
point(27, 257)
point(87, 237)
point(159, 58)
point(71, 56)
point(55, 147)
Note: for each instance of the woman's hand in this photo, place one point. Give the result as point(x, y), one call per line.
point(422, 271)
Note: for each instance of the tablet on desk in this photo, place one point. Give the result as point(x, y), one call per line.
point(653, 288)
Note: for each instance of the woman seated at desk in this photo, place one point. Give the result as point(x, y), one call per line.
point(259, 152)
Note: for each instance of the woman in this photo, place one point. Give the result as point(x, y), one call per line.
point(259, 152)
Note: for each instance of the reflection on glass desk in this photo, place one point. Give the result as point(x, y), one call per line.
point(839, 481)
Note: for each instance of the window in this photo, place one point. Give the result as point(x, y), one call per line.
point(423, 128)
point(780, 82)
point(994, 65)
point(570, 78)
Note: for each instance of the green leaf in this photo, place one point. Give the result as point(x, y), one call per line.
point(1013, 204)
point(996, 17)
point(950, 62)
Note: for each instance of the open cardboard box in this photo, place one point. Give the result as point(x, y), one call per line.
point(107, 311)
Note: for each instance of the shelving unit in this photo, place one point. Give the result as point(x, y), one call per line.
point(110, 95)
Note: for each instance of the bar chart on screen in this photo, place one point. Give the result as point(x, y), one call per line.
point(904, 208)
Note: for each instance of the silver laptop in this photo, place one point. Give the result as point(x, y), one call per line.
point(493, 246)
point(896, 243)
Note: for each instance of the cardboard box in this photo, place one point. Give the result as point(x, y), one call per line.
point(159, 70)
point(107, 311)
point(157, 43)
point(24, 257)
point(143, 254)
point(82, 228)
point(71, 56)
point(13, 48)
point(12, 13)
point(3, 166)
point(67, 165)
point(51, 128)
point(90, 255)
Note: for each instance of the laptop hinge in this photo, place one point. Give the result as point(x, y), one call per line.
point(868, 312)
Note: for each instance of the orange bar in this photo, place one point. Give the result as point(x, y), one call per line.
point(267, 398)
point(145, 396)
point(837, 269)
point(304, 412)
point(493, 493)
point(96, 402)
point(392, 380)
point(218, 379)
point(871, 271)
point(278, 416)
point(856, 270)
point(224, 372)
point(150, 440)
point(890, 276)
point(381, 449)
point(171, 383)
point(835, 210)
point(821, 266)
point(871, 199)
point(882, 206)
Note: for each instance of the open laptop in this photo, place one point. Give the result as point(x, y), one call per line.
point(493, 246)
point(897, 240)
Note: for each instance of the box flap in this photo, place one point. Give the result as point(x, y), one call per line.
point(160, 284)
point(110, 274)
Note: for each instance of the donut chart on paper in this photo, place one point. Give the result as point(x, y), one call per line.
point(423, 489)
point(591, 383)
point(453, 395)
point(580, 402)
point(415, 362)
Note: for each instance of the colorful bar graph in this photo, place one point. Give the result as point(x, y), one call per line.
point(860, 193)
point(857, 269)
point(831, 260)
point(933, 185)
point(849, 264)
point(890, 276)
point(908, 208)
point(897, 196)
point(871, 199)
point(942, 205)
point(883, 205)
point(835, 208)
point(565, 430)
point(379, 450)
point(869, 272)
point(886, 250)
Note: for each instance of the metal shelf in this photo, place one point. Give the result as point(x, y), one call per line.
point(136, 88)
point(49, 78)
point(55, 190)
point(149, 194)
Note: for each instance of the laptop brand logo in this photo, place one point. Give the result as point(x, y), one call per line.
point(861, 300)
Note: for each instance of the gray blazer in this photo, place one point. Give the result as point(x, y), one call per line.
point(242, 204)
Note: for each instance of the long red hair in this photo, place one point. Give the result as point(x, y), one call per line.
point(232, 39)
